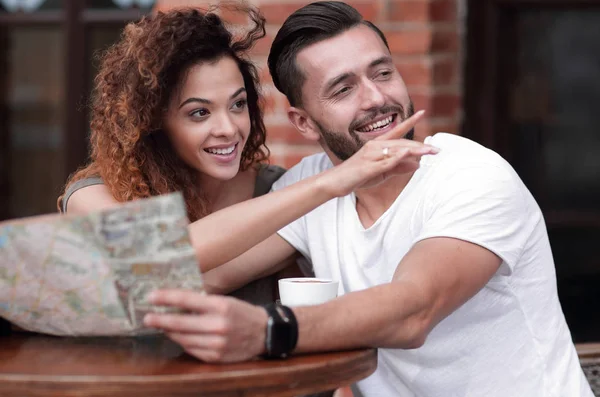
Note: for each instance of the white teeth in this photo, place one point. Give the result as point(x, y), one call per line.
point(379, 124)
point(223, 151)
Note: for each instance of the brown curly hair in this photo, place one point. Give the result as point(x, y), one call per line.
point(129, 149)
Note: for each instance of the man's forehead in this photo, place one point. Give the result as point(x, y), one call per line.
point(347, 52)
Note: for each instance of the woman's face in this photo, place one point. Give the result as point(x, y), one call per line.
point(207, 119)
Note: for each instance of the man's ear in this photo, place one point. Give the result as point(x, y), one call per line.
point(303, 123)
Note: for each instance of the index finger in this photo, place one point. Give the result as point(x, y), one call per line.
point(403, 128)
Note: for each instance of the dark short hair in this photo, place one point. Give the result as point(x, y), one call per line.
point(308, 25)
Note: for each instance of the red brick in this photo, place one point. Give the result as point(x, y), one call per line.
point(437, 105)
point(449, 126)
point(409, 11)
point(423, 10)
point(443, 11)
point(265, 76)
point(408, 42)
point(277, 13)
point(445, 40)
point(370, 10)
point(270, 103)
point(262, 46)
point(446, 105)
point(285, 133)
point(430, 126)
point(445, 71)
point(231, 16)
point(415, 72)
point(165, 5)
point(423, 129)
point(289, 158)
point(421, 102)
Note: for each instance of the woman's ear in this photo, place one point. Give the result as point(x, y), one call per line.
point(304, 124)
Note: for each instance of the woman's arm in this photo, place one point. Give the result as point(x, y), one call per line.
point(224, 235)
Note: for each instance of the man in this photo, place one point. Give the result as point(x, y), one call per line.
point(446, 269)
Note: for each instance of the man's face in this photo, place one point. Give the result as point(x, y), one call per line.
point(352, 92)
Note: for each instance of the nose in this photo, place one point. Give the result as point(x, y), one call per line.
point(225, 126)
point(371, 96)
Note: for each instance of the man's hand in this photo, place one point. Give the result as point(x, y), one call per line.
point(379, 159)
point(217, 329)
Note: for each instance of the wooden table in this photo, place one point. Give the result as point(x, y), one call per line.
point(35, 365)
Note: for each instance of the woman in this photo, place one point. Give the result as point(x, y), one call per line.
point(176, 108)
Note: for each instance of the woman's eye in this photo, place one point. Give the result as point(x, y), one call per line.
point(240, 104)
point(199, 113)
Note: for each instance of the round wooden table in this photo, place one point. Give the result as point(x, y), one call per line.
point(35, 365)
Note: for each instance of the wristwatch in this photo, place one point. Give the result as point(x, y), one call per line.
point(282, 331)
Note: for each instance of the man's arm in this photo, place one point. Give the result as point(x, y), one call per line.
point(481, 204)
point(435, 278)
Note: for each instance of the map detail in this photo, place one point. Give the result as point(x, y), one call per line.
point(89, 275)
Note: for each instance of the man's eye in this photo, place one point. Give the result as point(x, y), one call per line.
point(384, 74)
point(341, 91)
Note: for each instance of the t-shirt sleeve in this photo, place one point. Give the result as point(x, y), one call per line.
point(483, 204)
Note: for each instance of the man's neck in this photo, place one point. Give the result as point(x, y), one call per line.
point(372, 203)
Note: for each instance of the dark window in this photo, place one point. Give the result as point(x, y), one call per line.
point(532, 85)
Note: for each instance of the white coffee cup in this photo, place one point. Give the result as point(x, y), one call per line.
point(306, 291)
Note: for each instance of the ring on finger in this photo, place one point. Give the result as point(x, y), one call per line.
point(386, 152)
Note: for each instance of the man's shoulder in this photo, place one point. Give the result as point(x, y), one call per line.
point(307, 167)
point(459, 152)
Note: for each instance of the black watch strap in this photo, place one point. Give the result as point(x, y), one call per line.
point(282, 331)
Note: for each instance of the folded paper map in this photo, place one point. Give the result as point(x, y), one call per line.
point(88, 275)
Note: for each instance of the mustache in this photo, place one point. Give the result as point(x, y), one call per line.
point(371, 115)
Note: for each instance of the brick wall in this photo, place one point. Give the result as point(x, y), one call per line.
point(425, 37)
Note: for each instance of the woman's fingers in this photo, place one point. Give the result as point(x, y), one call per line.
point(380, 150)
point(403, 128)
point(402, 151)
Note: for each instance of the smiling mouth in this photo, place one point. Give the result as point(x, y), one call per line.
point(378, 125)
point(221, 151)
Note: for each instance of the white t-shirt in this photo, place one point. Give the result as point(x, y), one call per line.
point(511, 338)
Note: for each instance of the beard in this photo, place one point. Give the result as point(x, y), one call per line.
point(344, 146)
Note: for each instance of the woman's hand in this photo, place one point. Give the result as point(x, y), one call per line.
point(379, 159)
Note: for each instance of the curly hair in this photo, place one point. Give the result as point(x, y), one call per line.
point(129, 149)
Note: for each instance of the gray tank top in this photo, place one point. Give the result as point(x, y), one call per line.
point(267, 175)
point(258, 292)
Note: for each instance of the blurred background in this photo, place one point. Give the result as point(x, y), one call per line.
point(521, 77)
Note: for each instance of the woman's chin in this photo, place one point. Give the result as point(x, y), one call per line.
point(222, 173)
